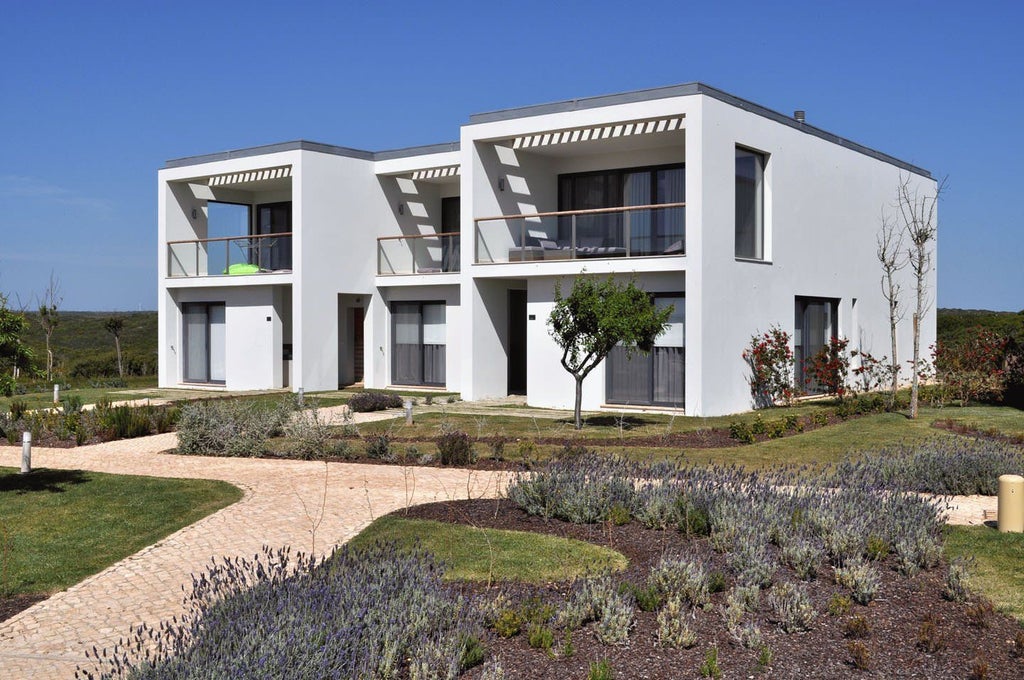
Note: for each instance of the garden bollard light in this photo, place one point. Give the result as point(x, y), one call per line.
point(1011, 504)
point(26, 452)
point(302, 397)
point(408, 411)
point(56, 393)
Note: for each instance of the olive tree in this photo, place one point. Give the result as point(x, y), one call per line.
point(594, 318)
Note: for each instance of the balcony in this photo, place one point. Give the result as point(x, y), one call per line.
point(425, 254)
point(631, 231)
point(230, 256)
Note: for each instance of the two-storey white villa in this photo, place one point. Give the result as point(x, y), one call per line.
point(306, 265)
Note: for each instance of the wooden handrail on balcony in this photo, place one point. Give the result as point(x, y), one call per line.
point(591, 211)
point(227, 238)
point(396, 238)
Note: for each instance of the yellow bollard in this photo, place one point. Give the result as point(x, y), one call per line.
point(1011, 503)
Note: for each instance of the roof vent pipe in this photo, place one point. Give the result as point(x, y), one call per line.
point(800, 115)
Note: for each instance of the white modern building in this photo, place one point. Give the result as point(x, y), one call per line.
point(306, 265)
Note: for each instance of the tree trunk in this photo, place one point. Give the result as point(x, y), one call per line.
point(917, 355)
point(579, 402)
point(895, 365)
point(120, 368)
point(49, 360)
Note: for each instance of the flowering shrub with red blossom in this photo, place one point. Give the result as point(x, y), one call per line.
point(971, 369)
point(826, 371)
point(770, 358)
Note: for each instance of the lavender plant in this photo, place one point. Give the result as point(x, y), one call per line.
point(372, 613)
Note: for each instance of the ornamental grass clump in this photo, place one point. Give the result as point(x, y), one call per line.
point(368, 613)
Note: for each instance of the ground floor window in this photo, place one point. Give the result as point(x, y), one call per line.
point(203, 335)
point(816, 323)
point(658, 378)
point(418, 343)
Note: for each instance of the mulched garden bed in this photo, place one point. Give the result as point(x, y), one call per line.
point(895, 617)
point(9, 606)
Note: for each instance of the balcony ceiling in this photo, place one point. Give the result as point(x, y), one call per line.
point(610, 138)
point(259, 179)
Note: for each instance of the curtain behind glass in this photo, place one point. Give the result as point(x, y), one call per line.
point(629, 378)
point(408, 357)
point(670, 223)
point(218, 350)
point(637, 191)
point(195, 320)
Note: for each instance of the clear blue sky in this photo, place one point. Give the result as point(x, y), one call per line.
point(95, 96)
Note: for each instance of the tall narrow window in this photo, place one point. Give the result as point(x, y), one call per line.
point(816, 323)
point(418, 347)
point(749, 204)
point(203, 337)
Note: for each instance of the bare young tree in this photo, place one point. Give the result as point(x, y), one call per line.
point(48, 319)
point(917, 213)
point(891, 256)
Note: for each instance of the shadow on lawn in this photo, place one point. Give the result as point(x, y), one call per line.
point(53, 481)
point(625, 422)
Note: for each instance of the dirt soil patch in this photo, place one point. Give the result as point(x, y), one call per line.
point(9, 606)
point(969, 646)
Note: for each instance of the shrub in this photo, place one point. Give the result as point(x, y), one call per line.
point(971, 369)
point(770, 359)
point(125, 422)
point(647, 598)
point(857, 627)
point(804, 557)
point(454, 446)
point(18, 408)
point(379, 446)
point(791, 607)
point(710, 669)
point(616, 620)
point(980, 613)
point(957, 586)
point(373, 612)
point(827, 370)
point(673, 629)
point(929, 638)
point(362, 402)
point(587, 603)
point(839, 604)
point(600, 670)
point(230, 427)
point(508, 623)
point(679, 577)
point(540, 637)
point(860, 656)
point(860, 578)
point(311, 434)
point(956, 466)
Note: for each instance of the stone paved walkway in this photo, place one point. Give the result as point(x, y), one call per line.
point(282, 499)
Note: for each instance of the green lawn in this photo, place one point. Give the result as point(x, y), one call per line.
point(138, 388)
point(59, 526)
point(815, 447)
point(477, 554)
point(998, 564)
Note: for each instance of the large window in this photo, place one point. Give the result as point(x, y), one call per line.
point(654, 231)
point(816, 323)
point(656, 378)
point(418, 343)
point(749, 204)
point(203, 337)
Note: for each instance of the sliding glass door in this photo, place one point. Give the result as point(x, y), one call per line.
point(203, 338)
point(418, 346)
point(273, 254)
point(657, 379)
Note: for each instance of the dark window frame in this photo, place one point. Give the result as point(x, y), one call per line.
point(394, 335)
point(649, 359)
point(206, 304)
point(800, 355)
point(760, 216)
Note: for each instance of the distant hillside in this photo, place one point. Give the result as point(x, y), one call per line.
point(83, 347)
point(952, 323)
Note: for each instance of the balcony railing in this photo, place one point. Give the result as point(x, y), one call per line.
point(424, 254)
point(230, 256)
point(631, 231)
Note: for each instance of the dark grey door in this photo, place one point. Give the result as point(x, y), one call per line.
point(517, 342)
